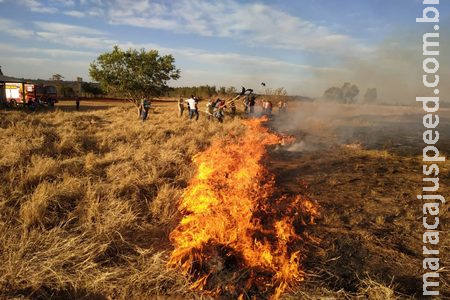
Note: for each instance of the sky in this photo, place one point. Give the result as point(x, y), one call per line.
point(301, 45)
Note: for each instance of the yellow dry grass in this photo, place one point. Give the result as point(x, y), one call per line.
point(88, 198)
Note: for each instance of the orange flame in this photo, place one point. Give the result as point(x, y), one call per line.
point(238, 237)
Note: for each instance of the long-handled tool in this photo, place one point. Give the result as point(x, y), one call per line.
point(242, 93)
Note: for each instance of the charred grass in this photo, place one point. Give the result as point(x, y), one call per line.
point(369, 238)
point(88, 198)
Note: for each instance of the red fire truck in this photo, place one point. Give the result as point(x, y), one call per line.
point(27, 93)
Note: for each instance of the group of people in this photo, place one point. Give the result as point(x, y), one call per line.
point(282, 107)
point(267, 107)
point(192, 105)
point(33, 104)
point(215, 109)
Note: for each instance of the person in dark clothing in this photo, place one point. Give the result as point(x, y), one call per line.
point(145, 106)
point(246, 105)
point(77, 102)
point(219, 107)
point(197, 114)
point(209, 111)
point(232, 109)
point(251, 103)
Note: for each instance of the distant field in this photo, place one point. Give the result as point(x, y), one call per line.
point(88, 198)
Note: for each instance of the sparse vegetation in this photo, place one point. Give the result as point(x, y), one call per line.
point(276, 95)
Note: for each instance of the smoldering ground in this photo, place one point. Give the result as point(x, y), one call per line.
point(321, 125)
point(362, 164)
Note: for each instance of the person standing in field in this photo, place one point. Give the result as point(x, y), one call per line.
point(218, 109)
point(209, 109)
point(197, 114)
point(233, 108)
point(251, 102)
point(180, 107)
point(144, 108)
point(282, 105)
point(264, 107)
point(267, 108)
point(246, 105)
point(192, 105)
point(77, 102)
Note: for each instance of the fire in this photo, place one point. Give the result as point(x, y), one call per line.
point(238, 236)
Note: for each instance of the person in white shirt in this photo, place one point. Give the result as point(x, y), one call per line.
point(192, 105)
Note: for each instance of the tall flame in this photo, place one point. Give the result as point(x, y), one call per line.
point(238, 235)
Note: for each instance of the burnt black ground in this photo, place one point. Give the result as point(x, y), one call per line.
point(365, 183)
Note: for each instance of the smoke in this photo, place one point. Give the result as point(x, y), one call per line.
point(395, 67)
point(322, 125)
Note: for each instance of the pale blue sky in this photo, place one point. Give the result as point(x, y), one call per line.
point(299, 44)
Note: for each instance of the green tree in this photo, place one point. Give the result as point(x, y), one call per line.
point(57, 77)
point(67, 91)
point(92, 89)
point(134, 74)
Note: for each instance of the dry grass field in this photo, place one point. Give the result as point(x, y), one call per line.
point(88, 199)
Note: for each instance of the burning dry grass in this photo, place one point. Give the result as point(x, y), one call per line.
point(238, 236)
point(88, 199)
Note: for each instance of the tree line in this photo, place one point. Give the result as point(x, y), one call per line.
point(348, 93)
point(202, 91)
